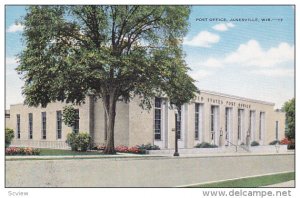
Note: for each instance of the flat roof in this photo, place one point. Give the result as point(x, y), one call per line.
point(218, 94)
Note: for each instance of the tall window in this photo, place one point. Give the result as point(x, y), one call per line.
point(58, 124)
point(261, 125)
point(178, 123)
point(213, 122)
point(76, 123)
point(44, 132)
point(157, 119)
point(212, 119)
point(276, 130)
point(252, 123)
point(197, 106)
point(240, 112)
point(18, 127)
point(227, 123)
point(30, 125)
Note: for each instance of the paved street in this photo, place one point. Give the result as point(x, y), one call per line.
point(141, 171)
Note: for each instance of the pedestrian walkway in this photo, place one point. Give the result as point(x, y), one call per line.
point(288, 184)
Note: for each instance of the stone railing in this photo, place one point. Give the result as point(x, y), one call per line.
point(40, 144)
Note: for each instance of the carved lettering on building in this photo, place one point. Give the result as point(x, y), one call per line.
point(221, 102)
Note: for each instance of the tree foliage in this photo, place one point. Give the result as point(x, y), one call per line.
point(289, 108)
point(111, 52)
point(69, 115)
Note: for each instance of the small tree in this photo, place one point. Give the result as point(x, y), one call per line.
point(9, 135)
point(69, 116)
point(289, 108)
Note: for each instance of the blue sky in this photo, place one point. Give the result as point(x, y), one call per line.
point(253, 59)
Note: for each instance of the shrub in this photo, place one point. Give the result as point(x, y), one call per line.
point(21, 151)
point(291, 145)
point(205, 145)
point(136, 150)
point(122, 149)
point(285, 141)
point(80, 141)
point(72, 141)
point(84, 141)
point(126, 149)
point(99, 147)
point(274, 142)
point(9, 135)
point(148, 147)
point(254, 143)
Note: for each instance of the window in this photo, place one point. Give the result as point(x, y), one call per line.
point(261, 124)
point(44, 132)
point(212, 119)
point(240, 112)
point(76, 123)
point(197, 106)
point(252, 123)
point(58, 124)
point(18, 127)
point(276, 130)
point(157, 119)
point(227, 130)
point(178, 123)
point(30, 125)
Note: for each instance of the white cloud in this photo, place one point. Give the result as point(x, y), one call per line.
point(275, 72)
point(223, 26)
point(211, 62)
point(272, 62)
point(11, 61)
point(203, 39)
point(200, 74)
point(15, 28)
point(251, 54)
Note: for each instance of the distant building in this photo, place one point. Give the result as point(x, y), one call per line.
point(211, 117)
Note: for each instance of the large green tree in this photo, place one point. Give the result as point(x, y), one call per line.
point(110, 52)
point(289, 108)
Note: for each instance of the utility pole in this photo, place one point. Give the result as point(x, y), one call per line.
point(176, 131)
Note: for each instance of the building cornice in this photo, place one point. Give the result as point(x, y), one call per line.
point(236, 97)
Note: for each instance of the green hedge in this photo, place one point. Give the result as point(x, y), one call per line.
point(254, 143)
point(205, 145)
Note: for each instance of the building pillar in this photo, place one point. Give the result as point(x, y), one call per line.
point(92, 117)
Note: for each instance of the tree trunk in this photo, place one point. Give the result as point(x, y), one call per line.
point(110, 111)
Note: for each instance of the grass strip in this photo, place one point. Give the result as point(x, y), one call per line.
point(251, 182)
point(60, 152)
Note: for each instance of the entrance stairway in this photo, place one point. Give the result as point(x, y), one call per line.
point(238, 148)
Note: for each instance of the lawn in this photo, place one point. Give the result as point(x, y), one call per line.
point(250, 182)
point(57, 152)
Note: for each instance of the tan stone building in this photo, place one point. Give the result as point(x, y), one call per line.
point(216, 118)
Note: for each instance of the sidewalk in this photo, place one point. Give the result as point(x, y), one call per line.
point(288, 184)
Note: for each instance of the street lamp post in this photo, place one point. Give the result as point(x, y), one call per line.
point(176, 133)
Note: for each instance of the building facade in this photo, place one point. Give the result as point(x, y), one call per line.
point(216, 118)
